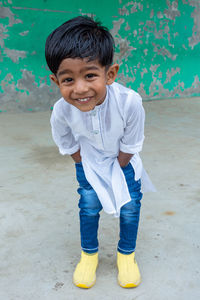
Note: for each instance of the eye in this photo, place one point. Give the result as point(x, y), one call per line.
point(67, 80)
point(91, 75)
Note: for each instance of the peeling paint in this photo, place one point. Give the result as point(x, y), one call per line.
point(157, 50)
point(144, 71)
point(26, 95)
point(15, 55)
point(171, 73)
point(130, 8)
point(24, 33)
point(124, 48)
point(163, 52)
point(172, 12)
point(195, 38)
point(5, 12)
point(116, 27)
point(3, 34)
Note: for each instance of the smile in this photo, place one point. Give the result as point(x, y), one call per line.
point(84, 100)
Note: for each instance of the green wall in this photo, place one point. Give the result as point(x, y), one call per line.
point(157, 47)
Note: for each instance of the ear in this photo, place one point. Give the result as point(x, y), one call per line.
point(111, 73)
point(54, 79)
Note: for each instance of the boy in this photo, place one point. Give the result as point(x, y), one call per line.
point(101, 125)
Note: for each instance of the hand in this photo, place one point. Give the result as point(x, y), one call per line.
point(76, 156)
point(124, 159)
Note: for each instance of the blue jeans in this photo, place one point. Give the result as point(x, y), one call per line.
point(90, 207)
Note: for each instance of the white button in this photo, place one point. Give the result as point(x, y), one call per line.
point(96, 131)
point(93, 113)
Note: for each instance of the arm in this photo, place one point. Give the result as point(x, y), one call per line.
point(61, 132)
point(133, 137)
point(124, 158)
point(76, 156)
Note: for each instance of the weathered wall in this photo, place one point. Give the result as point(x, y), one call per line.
point(158, 46)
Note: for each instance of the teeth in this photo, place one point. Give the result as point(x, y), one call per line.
point(83, 100)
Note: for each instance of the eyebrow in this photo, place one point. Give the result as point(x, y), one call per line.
point(67, 71)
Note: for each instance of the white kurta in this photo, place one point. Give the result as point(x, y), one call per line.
point(115, 125)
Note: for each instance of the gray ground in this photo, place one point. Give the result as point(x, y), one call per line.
point(39, 243)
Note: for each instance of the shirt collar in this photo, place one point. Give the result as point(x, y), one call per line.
point(100, 106)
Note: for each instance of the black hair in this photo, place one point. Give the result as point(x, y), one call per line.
point(80, 37)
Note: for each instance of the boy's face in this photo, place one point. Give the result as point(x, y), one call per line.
point(83, 83)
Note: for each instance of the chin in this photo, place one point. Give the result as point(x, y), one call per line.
point(86, 107)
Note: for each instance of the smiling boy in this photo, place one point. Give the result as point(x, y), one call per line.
point(82, 83)
point(101, 125)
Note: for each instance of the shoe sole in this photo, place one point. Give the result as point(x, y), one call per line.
point(130, 285)
point(84, 286)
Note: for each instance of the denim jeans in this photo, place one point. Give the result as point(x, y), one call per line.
point(90, 207)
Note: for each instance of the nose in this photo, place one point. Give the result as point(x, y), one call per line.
point(80, 87)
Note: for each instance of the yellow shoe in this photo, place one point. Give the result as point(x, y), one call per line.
point(129, 274)
point(85, 272)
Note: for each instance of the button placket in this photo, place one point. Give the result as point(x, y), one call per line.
point(96, 127)
point(93, 113)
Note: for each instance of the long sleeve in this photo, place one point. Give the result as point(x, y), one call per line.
point(134, 117)
point(62, 134)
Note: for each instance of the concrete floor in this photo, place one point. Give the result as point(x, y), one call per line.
point(39, 243)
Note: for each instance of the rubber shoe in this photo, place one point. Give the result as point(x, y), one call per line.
point(85, 273)
point(129, 274)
